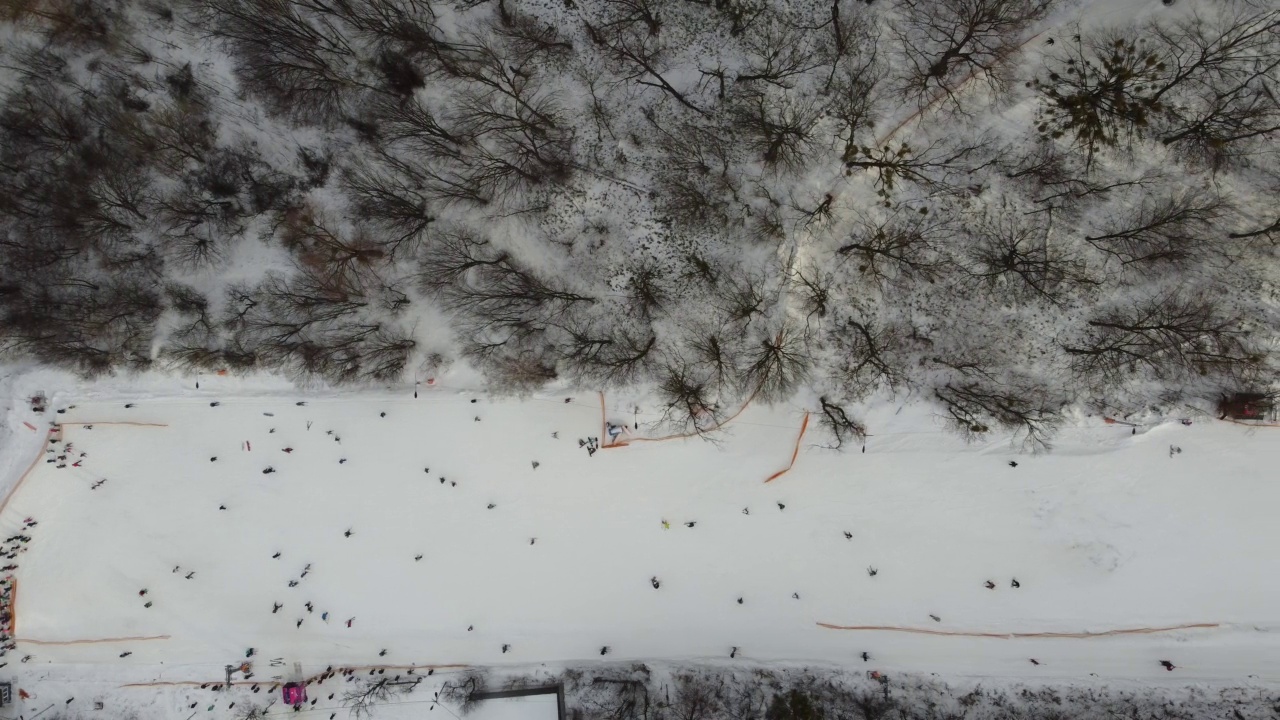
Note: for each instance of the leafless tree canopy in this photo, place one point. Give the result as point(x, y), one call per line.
point(1169, 335)
point(947, 43)
point(705, 202)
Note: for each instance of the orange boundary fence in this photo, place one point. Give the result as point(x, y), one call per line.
point(794, 453)
point(677, 436)
point(307, 681)
point(12, 625)
point(604, 434)
point(96, 641)
point(1021, 635)
point(121, 422)
point(34, 462)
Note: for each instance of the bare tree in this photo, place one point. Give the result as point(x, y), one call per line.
point(904, 243)
point(647, 286)
point(936, 166)
point(717, 358)
point(1238, 45)
point(299, 59)
point(609, 353)
point(406, 26)
point(1030, 410)
point(690, 401)
point(348, 259)
point(870, 355)
point(1219, 85)
point(392, 205)
point(854, 86)
point(1015, 253)
point(743, 298)
point(835, 419)
point(640, 58)
point(1170, 229)
point(1265, 230)
point(1216, 125)
point(947, 42)
point(813, 287)
point(776, 365)
point(1169, 335)
point(778, 53)
point(697, 182)
point(1061, 182)
point(504, 311)
point(371, 693)
point(777, 127)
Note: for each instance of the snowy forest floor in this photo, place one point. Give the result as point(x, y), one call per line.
point(461, 553)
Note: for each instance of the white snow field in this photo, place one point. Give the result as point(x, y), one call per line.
point(1108, 531)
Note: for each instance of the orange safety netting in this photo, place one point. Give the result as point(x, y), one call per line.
point(95, 641)
point(1019, 635)
point(604, 435)
point(677, 436)
point(307, 681)
point(794, 453)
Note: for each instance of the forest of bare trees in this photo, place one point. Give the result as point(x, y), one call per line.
point(1007, 208)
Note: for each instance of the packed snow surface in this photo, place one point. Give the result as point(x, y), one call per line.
point(422, 527)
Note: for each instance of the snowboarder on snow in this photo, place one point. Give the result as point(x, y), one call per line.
point(990, 585)
point(1015, 583)
point(1168, 665)
point(654, 582)
point(865, 656)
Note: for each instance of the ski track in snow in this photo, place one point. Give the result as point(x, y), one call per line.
point(1106, 533)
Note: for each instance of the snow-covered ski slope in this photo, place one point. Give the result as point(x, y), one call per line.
point(1107, 532)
